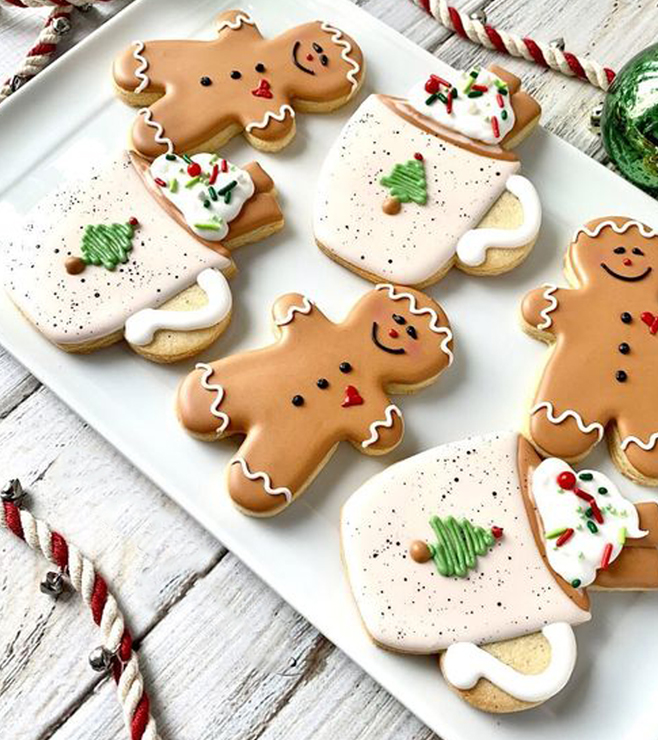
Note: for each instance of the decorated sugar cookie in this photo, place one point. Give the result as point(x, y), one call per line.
point(599, 379)
point(199, 94)
point(140, 251)
point(482, 552)
point(319, 384)
point(414, 186)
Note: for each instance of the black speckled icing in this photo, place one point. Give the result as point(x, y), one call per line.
point(409, 606)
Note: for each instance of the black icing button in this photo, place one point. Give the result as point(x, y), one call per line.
point(624, 348)
point(345, 367)
point(626, 317)
point(235, 75)
point(621, 376)
point(323, 383)
point(260, 67)
point(298, 400)
point(205, 81)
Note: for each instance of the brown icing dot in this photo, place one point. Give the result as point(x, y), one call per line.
point(74, 265)
point(391, 206)
point(419, 551)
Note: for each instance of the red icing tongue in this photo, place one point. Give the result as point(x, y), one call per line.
point(263, 90)
point(352, 397)
point(650, 320)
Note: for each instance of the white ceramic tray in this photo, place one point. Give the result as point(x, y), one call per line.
point(50, 127)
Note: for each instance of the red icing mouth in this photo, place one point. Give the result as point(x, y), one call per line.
point(263, 90)
point(650, 320)
point(352, 397)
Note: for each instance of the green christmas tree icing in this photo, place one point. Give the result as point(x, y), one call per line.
point(407, 182)
point(458, 545)
point(107, 245)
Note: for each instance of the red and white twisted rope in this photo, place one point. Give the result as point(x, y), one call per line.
point(40, 54)
point(543, 54)
point(115, 636)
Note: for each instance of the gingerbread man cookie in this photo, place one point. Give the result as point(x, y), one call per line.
point(600, 376)
point(320, 383)
point(482, 552)
point(199, 94)
point(415, 186)
point(140, 251)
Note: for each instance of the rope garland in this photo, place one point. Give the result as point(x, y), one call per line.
point(57, 24)
point(116, 641)
point(547, 55)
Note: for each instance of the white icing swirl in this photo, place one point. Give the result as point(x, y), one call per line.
point(207, 216)
point(470, 116)
point(140, 72)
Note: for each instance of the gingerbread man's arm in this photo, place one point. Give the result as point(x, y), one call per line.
point(380, 428)
point(238, 20)
point(539, 306)
point(292, 311)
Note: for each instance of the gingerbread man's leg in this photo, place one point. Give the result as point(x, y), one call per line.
point(636, 445)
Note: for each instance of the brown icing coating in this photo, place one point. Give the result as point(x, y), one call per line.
point(320, 383)
point(419, 551)
point(602, 368)
point(528, 460)
point(246, 77)
point(391, 206)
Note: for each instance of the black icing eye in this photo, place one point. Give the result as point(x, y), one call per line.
point(260, 67)
point(205, 81)
point(412, 332)
point(322, 383)
point(317, 48)
point(298, 400)
point(345, 367)
point(324, 60)
point(619, 250)
point(399, 319)
point(235, 75)
point(637, 250)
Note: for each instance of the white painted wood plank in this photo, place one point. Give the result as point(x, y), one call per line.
point(16, 383)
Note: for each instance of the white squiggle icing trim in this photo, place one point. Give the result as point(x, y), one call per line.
point(338, 39)
point(206, 385)
point(237, 23)
point(646, 446)
point(388, 423)
point(283, 110)
point(644, 230)
point(159, 137)
point(292, 310)
point(585, 429)
point(141, 326)
point(552, 305)
point(434, 323)
point(143, 66)
point(472, 246)
point(465, 663)
point(267, 482)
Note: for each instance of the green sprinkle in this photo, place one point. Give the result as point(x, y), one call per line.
point(592, 527)
point(588, 512)
point(475, 94)
point(455, 94)
point(432, 99)
point(603, 490)
point(442, 98)
point(187, 159)
point(503, 115)
point(622, 536)
point(173, 185)
point(585, 476)
point(227, 188)
point(555, 533)
point(576, 582)
point(214, 158)
point(170, 157)
point(191, 183)
point(206, 203)
point(212, 193)
point(209, 226)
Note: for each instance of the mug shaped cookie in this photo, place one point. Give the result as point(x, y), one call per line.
point(199, 94)
point(414, 186)
point(320, 383)
point(140, 251)
point(599, 378)
point(482, 552)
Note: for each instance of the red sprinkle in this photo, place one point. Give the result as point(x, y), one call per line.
point(566, 480)
point(213, 174)
point(564, 537)
point(194, 169)
point(418, 156)
point(133, 221)
point(495, 127)
point(449, 103)
point(500, 101)
point(432, 85)
point(596, 512)
point(650, 320)
point(605, 559)
point(480, 88)
point(224, 165)
point(159, 181)
point(497, 532)
point(440, 80)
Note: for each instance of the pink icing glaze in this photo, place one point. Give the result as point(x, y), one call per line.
point(408, 606)
point(72, 309)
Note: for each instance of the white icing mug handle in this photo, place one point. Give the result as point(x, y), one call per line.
point(472, 246)
point(464, 664)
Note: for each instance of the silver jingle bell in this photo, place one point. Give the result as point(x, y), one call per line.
point(85, 8)
point(558, 43)
point(100, 659)
point(478, 15)
point(595, 118)
point(12, 491)
point(52, 583)
point(17, 81)
point(61, 26)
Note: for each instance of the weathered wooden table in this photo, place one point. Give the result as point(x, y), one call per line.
point(223, 655)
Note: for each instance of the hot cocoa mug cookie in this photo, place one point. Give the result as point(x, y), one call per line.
point(199, 94)
point(482, 552)
point(319, 384)
point(415, 186)
point(140, 251)
point(599, 379)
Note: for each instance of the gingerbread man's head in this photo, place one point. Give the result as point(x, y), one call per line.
point(408, 336)
point(615, 253)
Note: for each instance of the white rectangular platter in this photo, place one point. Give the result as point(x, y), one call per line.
point(49, 129)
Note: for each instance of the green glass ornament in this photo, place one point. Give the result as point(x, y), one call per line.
point(629, 122)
